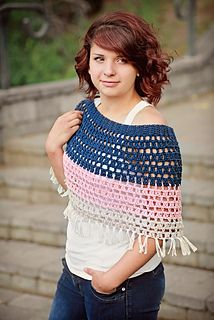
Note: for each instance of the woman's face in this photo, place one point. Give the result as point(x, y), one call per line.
point(111, 74)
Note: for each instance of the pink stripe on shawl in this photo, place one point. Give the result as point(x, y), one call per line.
point(152, 201)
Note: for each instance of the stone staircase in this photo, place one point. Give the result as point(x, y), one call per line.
point(32, 227)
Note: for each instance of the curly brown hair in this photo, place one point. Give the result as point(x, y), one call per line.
point(132, 37)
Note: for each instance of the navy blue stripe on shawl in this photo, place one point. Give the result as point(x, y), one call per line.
point(142, 154)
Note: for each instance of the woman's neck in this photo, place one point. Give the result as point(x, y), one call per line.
point(119, 105)
point(117, 108)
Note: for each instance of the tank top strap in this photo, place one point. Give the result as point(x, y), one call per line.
point(134, 111)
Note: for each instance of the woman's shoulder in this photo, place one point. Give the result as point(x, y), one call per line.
point(82, 104)
point(149, 115)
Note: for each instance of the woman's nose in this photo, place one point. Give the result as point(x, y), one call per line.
point(109, 69)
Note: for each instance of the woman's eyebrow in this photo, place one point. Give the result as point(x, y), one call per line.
point(98, 54)
point(102, 55)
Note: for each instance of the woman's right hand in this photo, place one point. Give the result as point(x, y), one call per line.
point(63, 129)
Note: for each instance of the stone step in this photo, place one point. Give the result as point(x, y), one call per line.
point(45, 224)
point(189, 294)
point(198, 199)
point(32, 184)
point(198, 166)
point(15, 305)
point(29, 150)
point(201, 235)
point(34, 269)
point(192, 120)
point(30, 267)
point(38, 223)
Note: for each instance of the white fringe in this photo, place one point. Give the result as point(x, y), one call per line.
point(110, 235)
point(95, 230)
point(191, 245)
point(158, 248)
point(185, 245)
point(143, 246)
point(172, 247)
point(62, 192)
point(131, 241)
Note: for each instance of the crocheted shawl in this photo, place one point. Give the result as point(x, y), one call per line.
point(126, 178)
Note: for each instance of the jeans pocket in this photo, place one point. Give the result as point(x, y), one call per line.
point(118, 294)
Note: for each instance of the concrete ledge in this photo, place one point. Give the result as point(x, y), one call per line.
point(37, 91)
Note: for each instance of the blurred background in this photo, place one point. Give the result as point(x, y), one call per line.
point(52, 57)
point(38, 43)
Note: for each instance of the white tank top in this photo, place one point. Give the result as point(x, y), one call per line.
point(84, 252)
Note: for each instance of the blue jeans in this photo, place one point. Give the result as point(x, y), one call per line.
point(137, 298)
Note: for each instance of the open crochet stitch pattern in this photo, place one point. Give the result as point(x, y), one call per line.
point(125, 178)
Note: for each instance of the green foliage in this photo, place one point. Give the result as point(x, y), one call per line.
point(33, 61)
point(40, 60)
point(149, 10)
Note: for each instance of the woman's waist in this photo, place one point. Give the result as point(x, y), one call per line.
point(91, 252)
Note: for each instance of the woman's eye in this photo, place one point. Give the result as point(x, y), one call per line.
point(122, 60)
point(99, 59)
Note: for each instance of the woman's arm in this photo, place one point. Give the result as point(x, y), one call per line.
point(63, 129)
point(130, 262)
point(56, 161)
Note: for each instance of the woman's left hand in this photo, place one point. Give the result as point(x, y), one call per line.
point(99, 281)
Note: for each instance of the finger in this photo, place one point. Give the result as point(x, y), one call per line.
point(89, 271)
point(72, 117)
point(74, 129)
point(73, 112)
point(74, 122)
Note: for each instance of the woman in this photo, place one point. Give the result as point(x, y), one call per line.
point(121, 169)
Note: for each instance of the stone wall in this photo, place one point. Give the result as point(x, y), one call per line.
point(33, 108)
point(30, 109)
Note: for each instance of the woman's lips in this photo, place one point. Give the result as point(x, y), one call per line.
point(109, 83)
